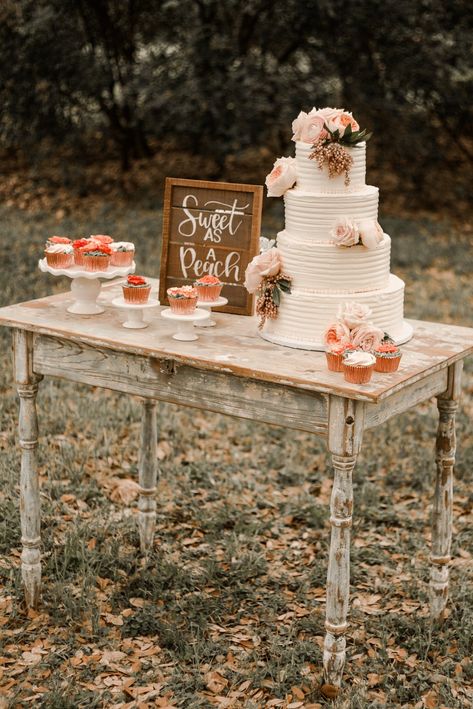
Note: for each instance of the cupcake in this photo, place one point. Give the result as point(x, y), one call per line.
point(136, 290)
point(182, 300)
point(388, 355)
point(102, 239)
point(96, 257)
point(334, 355)
point(358, 366)
point(123, 253)
point(208, 288)
point(78, 245)
point(59, 255)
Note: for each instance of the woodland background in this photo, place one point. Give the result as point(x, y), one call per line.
point(99, 101)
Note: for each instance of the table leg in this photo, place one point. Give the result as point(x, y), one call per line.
point(147, 475)
point(27, 387)
point(345, 432)
point(442, 504)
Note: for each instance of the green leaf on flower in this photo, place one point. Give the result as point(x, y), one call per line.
point(276, 296)
point(284, 285)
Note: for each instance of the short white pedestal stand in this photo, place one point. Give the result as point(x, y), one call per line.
point(208, 305)
point(86, 285)
point(134, 312)
point(185, 323)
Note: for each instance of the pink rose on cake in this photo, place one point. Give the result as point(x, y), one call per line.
point(340, 120)
point(266, 264)
point(345, 233)
point(282, 177)
point(371, 233)
point(353, 314)
point(308, 127)
point(367, 337)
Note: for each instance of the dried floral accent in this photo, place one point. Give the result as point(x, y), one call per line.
point(269, 298)
point(335, 156)
point(331, 149)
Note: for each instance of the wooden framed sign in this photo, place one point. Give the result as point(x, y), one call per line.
point(210, 228)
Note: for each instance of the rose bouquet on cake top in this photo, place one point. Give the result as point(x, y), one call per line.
point(330, 131)
point(264, 275)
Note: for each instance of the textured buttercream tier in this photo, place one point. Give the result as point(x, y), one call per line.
point(312, 216)
point(334, 269)
point(304, 316)
point(311, 178)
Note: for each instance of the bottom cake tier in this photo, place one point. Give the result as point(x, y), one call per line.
point(303, 317)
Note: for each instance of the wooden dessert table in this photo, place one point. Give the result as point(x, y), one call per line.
point(231, 370)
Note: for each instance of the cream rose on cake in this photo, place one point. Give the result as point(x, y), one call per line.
point(265, 265)
point(371, 233)
point(345, 233)
point(353, 314)
point(282, 177)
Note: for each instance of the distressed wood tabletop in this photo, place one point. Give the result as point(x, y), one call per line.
point(235, 346)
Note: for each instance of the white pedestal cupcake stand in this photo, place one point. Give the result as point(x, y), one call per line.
point(185, 323)
point(86, 285)
point(134, 312)
point(208, 305)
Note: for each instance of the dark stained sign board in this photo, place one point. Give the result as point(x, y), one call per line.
point(210, 228)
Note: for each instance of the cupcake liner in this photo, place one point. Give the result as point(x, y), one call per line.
point(334, 362)
point(59, 260)
point(122, 258)
point(183, 306)
point(136, 295)
point(207, 294)
point(78, 258)
point(387, 364)
point(96, 263)
point(356, 374)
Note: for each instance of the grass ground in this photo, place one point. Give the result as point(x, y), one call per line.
point(228, 610)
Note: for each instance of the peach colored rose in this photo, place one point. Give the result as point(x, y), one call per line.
point(371, 233)
point(345, 233)
point(367, 337)
point(337, 334)
point(353, 314)
point(268, 263)
point(282, 177)
point(346, 119)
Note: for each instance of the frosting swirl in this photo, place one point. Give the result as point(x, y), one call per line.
point(359, 359)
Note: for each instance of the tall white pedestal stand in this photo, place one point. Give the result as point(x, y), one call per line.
point(86, 285)
point(134, 312)
point(208, 305)
point(185, 323)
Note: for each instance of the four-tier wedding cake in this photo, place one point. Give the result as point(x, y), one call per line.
point(332, 253)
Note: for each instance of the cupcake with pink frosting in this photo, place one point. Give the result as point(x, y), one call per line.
point(183, 300)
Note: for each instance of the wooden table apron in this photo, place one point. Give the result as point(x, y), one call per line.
point(48, 342)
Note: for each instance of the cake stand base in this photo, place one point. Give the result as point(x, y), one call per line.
point(402, 335)
point(208, 305)
point(134, 312)
point(85, 292)
point(185, 323)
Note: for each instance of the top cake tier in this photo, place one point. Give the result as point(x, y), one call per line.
point(310, 178)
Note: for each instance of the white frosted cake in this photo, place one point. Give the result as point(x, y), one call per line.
point(332, 249)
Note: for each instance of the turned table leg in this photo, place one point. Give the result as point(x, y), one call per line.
point(345, 432)
point(147, 475)
point(442, 504)
point(27, 387)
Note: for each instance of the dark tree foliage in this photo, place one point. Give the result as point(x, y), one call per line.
point(223, 75)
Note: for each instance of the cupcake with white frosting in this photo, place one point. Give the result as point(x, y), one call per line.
point(358, 366)
point(59, 252)
point(123, 253)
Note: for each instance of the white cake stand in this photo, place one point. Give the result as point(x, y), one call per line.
point(208, 305)
point(134, 312)
point(86, 285)
point(185, 323)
